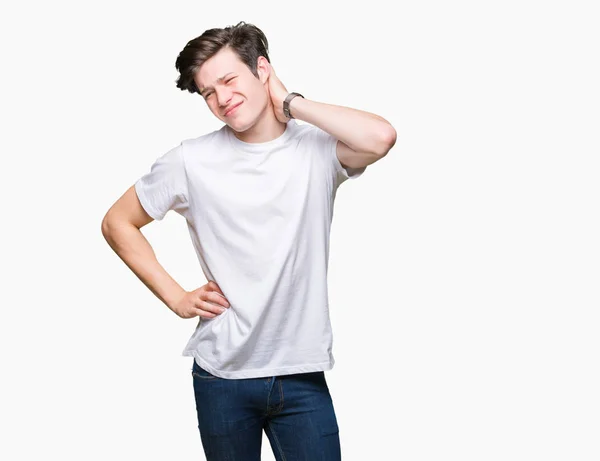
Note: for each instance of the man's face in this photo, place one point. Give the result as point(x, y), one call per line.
point(225, 81)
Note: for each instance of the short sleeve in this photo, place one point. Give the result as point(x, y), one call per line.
point(327, 146)
point(164, 187)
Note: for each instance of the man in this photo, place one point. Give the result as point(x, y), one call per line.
point(258, 197)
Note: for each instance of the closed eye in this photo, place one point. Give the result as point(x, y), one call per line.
point(208, 94)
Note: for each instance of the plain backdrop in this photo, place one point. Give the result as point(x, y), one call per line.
point(464, 266)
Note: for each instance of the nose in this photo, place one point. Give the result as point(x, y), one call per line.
point(223, 96)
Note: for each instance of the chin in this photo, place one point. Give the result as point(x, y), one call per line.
point(240, 126)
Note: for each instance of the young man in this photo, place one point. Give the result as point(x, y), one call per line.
point(258, 198)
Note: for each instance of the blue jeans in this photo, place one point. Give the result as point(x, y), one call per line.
point(296, 412)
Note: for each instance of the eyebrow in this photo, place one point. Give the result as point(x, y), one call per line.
point(220, 79)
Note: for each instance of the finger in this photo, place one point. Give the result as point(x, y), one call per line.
point(202, 299)
point(212, 285)
point(204, 293)
point(204, 314)
point(217, 298)
point(215, 286)
point(218, 290)
point(211, 307)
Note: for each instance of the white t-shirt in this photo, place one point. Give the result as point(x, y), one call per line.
point(259, 216)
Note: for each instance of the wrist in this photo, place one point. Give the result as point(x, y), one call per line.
point(290, 102)
point(174, 295)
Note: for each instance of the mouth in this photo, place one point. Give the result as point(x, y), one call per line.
point(233, 109)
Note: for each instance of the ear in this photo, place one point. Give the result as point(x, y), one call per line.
point(263, 67)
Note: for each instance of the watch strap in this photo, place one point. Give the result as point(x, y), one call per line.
point(286, 103)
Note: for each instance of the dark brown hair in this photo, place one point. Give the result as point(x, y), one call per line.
point(247, 40)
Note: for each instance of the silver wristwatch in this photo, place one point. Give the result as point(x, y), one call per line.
point(286, 103)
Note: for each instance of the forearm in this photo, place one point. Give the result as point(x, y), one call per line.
point(135, 251)
point(361, 131)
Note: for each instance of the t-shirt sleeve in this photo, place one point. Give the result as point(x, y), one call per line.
point(164, 187)
point(327, 147)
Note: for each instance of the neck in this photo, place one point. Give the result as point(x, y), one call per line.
point(265, 129)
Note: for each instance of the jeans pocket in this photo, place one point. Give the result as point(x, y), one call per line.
point(201, 373)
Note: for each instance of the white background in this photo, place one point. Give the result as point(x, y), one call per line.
point(464, 266)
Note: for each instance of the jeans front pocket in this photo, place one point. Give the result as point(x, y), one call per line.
point(201, 373)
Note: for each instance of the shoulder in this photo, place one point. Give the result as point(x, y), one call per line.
point(213, 136)
point(313, 135)
point(193, 147)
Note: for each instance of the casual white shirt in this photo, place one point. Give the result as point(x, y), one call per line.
point(259, 216)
